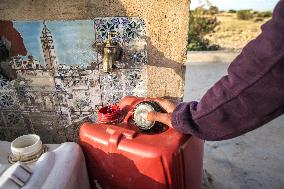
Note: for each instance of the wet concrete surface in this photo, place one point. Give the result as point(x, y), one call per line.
point(254, 160)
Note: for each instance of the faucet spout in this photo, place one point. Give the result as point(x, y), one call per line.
point(110, 52)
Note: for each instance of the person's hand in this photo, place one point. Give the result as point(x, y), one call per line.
point(129, 101)
point(165, 118)
point(167, 105)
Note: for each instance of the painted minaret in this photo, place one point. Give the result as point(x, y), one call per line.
point(48, 47)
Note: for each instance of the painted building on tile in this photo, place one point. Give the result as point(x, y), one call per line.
point(60, 82)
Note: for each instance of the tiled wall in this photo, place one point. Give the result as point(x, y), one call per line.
point(60, 81)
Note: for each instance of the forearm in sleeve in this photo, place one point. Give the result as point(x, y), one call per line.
point(250, 95)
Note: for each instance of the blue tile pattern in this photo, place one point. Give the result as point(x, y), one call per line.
point(72, 92)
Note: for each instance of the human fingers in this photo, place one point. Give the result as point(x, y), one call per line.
point(165, 104)
point(128, 101)
point(165, 118)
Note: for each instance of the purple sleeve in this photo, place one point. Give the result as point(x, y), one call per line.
point(251, 95)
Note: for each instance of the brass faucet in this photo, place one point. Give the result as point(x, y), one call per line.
point(110, 53)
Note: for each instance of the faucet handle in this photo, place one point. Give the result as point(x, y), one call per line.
point(111, 34)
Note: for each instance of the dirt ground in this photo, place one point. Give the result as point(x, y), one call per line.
point(232, 33)
point(254, 160)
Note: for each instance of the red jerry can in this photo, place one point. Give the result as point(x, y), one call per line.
point(119, 155)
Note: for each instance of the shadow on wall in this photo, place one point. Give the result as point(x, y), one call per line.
point(53, 131)
point(156, 58)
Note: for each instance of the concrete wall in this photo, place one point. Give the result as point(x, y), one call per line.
point(166, 25)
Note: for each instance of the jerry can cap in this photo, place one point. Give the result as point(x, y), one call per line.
point(140, 114)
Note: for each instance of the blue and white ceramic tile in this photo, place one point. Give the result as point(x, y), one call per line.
point(8, 100)
point(112, 81)
point(105, 25)
point(34, 80)
point(134, 78)
point(2, 121)
point(133, 58)
point(6, 85)
point(78, 115)
point(26, 63)
point(60, 72)
point(64, 119)
point(112, 97)
point(134, 28)
point(130, 34)
point(13, 119)
point(126, 29)
point(80, 101)
point(36, 101)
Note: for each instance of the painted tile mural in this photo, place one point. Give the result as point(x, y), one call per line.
point(60, 81)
